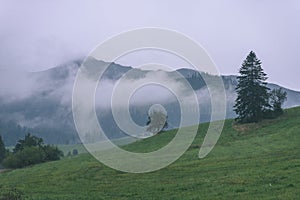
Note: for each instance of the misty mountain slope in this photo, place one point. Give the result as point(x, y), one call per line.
point(41, 102)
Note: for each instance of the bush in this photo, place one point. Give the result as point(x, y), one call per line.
point(29, 141)
point(28, 156)
point(52, 153)
point(31, 151)
point(11, 161)
point(75, 152)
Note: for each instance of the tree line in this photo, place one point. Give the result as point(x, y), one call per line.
point(28, 151)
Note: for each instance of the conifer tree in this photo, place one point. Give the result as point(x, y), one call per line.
point(252, 91)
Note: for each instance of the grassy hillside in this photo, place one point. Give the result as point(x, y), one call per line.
point(81, 149)
point(256, 161)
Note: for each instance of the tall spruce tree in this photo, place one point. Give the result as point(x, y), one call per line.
point(252, 91)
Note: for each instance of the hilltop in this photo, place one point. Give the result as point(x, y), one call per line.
point(254, 161)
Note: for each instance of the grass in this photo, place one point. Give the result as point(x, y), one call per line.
point(256, 161)
point(81, 149)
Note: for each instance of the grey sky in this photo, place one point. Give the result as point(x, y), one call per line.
point(36, 35)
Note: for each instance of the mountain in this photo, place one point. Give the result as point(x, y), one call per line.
point(41, 102)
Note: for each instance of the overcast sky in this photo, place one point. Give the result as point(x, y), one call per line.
point(36, 35)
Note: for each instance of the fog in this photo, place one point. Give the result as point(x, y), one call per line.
point(37, 35)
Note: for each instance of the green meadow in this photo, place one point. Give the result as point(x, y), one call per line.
point(252, 161)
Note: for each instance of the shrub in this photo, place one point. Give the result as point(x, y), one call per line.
point(11, 161)
point(75, 152)
point(31, 151)
point(28, 156)
point(29, 141)
point(52, 153)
